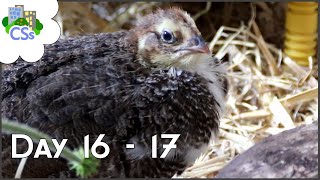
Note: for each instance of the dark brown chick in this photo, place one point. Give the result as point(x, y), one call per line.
point(158, 78)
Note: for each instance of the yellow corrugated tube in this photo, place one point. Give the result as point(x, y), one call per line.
point(301, 31)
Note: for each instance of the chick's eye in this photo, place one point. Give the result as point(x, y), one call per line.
point(168, 37)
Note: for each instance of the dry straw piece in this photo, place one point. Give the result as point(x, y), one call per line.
point(268, 93)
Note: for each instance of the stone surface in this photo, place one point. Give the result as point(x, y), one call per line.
point(290, 154)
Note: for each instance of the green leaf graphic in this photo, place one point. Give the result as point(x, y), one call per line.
point(5, 21)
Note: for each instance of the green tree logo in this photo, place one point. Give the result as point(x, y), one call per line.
point(21, 22)
point(39, 27)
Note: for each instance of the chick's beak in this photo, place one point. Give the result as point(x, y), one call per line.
point(197, 45)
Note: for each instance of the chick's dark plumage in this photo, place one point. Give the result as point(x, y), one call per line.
point(96, 85)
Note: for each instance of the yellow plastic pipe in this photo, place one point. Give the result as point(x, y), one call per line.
point(301, 31)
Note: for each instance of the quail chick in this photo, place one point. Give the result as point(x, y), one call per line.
point(157, 78)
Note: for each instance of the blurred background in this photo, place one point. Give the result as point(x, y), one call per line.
point(95, 17)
